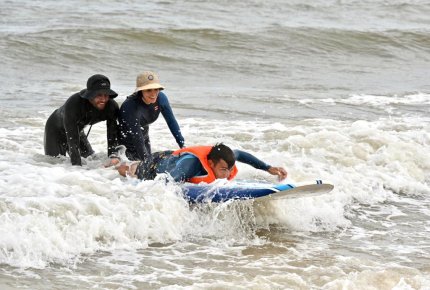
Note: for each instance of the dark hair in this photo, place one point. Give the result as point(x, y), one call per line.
point(221, 151)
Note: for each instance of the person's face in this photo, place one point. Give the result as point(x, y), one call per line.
point(100, 101)
point(220, 169)
point(150, 96)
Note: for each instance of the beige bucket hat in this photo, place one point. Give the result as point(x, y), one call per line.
point(148, 80)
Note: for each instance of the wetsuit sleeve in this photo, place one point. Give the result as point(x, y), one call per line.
point(70, 122)
point(250, 159)
point(167, 112)
point(112, 130)
point(85, 148)
point(187, 167)
point(130, 122)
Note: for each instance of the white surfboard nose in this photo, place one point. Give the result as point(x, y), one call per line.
point(308, 190)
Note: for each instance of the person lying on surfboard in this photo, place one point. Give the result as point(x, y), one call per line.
point(197, 164)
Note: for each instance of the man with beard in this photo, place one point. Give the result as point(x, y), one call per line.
point(64, 128)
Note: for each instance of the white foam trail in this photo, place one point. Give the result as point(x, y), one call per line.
point(421, 99)
point(54, 212)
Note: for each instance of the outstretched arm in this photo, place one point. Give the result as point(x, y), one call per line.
point(112, 129)
point(250, 159)
point(168, 115)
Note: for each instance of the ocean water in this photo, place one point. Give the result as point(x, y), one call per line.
point(331, 90)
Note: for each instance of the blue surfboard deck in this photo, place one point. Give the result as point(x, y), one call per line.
point(203, 193)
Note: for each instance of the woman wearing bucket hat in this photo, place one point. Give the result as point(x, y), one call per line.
point(140, 110)
point(64, 128)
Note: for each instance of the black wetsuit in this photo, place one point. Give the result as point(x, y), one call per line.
point(134, 119)
point(64, 128)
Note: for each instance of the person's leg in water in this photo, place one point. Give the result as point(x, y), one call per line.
point(144, 170)
point(55, 141)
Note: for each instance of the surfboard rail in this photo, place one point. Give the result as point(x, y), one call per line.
point(204, 193)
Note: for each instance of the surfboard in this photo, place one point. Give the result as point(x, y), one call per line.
point(203, 193)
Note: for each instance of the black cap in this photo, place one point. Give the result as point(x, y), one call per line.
point(97, 84)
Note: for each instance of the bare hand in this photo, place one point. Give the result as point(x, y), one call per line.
point(127, 169)
point(112, 162)
point(281, 172)
point(123, 169)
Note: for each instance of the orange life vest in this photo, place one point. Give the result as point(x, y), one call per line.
point(201, 152)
